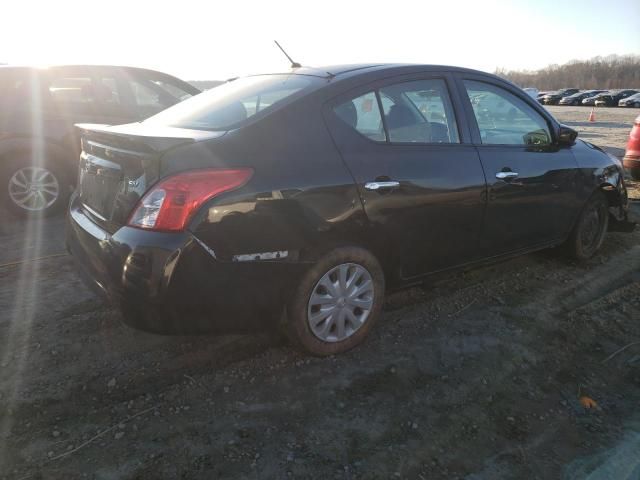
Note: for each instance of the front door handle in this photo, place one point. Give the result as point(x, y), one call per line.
point(381, 185)
point(506, 175)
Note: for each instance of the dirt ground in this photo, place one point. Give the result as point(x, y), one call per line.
point(477, 376)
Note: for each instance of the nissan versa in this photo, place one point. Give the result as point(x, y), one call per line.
point(296, 200)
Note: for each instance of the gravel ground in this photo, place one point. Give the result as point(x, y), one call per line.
point(476, 376)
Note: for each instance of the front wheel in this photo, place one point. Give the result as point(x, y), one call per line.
point(337, 302)
point(588, 234)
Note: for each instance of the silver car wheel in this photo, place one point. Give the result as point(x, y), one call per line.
point(34, 188)
point(340, 302)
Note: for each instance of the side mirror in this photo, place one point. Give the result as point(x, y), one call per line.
point(567, 135)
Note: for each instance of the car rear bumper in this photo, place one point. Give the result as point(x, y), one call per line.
point(169, 283)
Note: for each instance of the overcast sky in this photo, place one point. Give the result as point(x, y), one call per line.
point(220, 39)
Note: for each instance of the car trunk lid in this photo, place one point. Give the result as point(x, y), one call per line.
point(119, 164)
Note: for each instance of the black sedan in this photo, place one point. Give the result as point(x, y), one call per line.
point(552, 98)
point(631, 101)
point(296, 200)
point(577, 98)
point(612, 97)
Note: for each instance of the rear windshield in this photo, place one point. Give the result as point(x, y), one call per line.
point(232, 103)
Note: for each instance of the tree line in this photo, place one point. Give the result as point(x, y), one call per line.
point(613, 71)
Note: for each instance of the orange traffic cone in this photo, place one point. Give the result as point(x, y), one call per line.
point(592, 116)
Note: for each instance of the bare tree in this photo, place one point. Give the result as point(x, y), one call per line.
point(612, 71)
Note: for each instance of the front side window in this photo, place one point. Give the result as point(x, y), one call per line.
point(107, 91)
point(172, 89)
point(232, 103)
point(504, 119)
point(148, 95)
point(414, 112)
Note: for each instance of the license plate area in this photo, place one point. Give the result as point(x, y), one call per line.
point(100, 181)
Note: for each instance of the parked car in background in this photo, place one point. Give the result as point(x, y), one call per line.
point(552, 98)
point(577, 98)
point(532, 92)
point(631, 159)
point(631, 101)
point(612, 97)
point(196, 220)
point(39, 147)
point(591, 101)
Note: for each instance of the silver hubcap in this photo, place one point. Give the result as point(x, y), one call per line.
point(340, 302)
point(34, 188)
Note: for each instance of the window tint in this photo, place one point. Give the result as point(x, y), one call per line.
point(72, 90)
point(363, 114)
point(148, 95)
point(504, 119)
point(414, 112)
point(107, 91)
point(172, 89)
point(419, 112)
point(233, 102)
point(261, 101)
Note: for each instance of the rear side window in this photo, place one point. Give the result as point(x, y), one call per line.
point(419, 112)
point(363, 114)
point(232, 103)
point(504, 119)
point(72, 89)
point(414, 112)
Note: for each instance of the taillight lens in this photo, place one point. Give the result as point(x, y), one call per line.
point(170, 204)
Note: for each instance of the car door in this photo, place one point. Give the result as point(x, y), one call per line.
point(533, 183)
point(419, 178)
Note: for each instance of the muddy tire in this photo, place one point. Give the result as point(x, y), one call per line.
point(590, 229)
point(30, 190)
point(337, 302)
point(635, 173)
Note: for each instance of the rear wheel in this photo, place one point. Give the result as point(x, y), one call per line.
point(34, 189)
point(590, 229)
point(337, 302)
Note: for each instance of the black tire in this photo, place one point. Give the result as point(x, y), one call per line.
point(590, 229)
point(635, 173)
point(297, 323)
point(50, 204)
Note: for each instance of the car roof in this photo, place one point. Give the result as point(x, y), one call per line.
point(47, 67)
point(349, 70)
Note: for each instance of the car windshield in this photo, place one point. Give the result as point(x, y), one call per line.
point(230, 104)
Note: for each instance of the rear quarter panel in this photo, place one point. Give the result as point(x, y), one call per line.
point(300, 200)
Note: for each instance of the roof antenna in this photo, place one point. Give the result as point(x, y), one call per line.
point(293, 64)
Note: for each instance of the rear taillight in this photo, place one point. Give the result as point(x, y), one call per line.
point(171, 203)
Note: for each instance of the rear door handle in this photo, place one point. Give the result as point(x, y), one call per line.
point(506, 175)
point(381, 185)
